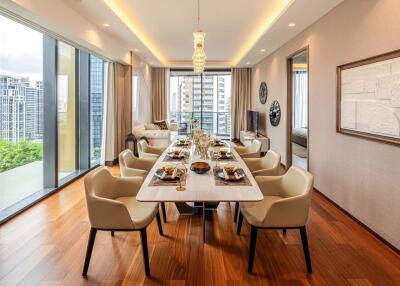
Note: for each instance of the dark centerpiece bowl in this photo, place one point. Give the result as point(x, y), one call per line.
point(200, 167)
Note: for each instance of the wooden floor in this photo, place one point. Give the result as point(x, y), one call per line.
point(46, 246)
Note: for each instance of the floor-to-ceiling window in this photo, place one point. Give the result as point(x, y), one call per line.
point(206, 97)
point(66, 109)
point(21, 112)
point(96, 108)
point(51, 114)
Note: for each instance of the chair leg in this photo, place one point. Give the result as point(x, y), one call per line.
point(252, 249)
point(236, 212)
point(160, 230)
point(164, 212)
point(240, 222)
point(143, 237)
point(284, 231)
point(92, 237)
point(306, 250)
point(112, 233)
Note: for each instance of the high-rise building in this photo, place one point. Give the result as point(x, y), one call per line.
point(96, 104)
point(206, 98)
point(21, 109)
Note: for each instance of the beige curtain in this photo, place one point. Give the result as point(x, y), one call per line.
point(241, 99)
point(159, 94)
point(108, 124)
point(122, 103)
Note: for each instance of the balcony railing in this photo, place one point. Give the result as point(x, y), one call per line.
point(217, 123)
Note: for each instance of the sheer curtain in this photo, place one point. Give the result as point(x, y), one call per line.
point(141, 95)
point(300, 79)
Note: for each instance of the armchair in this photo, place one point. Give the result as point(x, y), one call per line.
point(112, 207)
point(286, 204)
point(132, 166)
point(252, 151)
point(265, 166)
point(146, 151)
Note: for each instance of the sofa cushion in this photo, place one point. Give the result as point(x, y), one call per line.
point(151, 126)
point(162, 124)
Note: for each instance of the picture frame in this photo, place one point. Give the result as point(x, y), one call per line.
point(368, 98)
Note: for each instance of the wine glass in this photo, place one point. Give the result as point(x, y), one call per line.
point(181, 172)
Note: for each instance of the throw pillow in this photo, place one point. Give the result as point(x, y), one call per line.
point(162, 124)
point(151, 126)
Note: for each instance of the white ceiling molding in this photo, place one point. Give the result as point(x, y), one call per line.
point(239, 33)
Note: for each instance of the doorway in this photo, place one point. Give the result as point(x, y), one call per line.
point(297, 123)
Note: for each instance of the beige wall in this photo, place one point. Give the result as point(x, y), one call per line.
point(361, 176)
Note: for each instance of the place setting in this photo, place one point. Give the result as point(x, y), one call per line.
point(230, 175)
point(170, 175)
point(177, 154)
point(183, 142)
point(223, 154)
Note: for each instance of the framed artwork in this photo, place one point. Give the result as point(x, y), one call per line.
point(368, 98)
point(263, 92)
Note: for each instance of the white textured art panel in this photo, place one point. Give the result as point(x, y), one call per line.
point(370, 96)
point(348, 114)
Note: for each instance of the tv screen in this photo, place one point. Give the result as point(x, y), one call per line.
point(253, 121)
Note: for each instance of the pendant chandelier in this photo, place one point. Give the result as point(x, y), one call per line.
point(199, 56)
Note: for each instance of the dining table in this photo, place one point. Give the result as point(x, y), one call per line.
point(200, 190)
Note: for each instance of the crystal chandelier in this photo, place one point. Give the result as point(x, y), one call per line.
point(199, 56)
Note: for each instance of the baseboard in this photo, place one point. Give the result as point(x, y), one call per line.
point(376, 235)
point(111, 163)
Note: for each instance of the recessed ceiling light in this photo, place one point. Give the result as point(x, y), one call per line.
point(106, 25)
point(292, 24)
point(247, 63)
point(262, 50)
point(136, 50)
point(152, 63)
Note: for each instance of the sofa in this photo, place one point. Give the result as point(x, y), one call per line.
point(155, 136)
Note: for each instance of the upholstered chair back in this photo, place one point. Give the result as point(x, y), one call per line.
point(292, 210)
point(101, 189)
point(271, 160)
point(255, 146)
point(142, 146)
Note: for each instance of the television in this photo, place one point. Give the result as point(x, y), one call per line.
point(253, 121)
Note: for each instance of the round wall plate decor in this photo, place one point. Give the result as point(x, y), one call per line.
point(263, 92)
point(275, 113)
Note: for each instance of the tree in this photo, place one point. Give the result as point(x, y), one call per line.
point(13, 155)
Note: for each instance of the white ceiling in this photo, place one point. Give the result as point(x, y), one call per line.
point(160, 31)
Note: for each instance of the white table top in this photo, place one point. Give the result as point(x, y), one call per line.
point(200, 187)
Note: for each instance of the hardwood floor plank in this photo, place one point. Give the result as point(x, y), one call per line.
point(46, 246)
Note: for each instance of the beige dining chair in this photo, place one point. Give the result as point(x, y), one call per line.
point(266, 166)
point(286, 204)
point(112, 206)
point(132, 166)
point(251, 151)
point(146, 151)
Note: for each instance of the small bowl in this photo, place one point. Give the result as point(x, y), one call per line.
point(200, 167)
point(168, 169)
point(230, 169)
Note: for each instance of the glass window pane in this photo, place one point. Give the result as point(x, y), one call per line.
point(96, 108)
point(66, 109)
point(21, 112)
point(206, 97)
